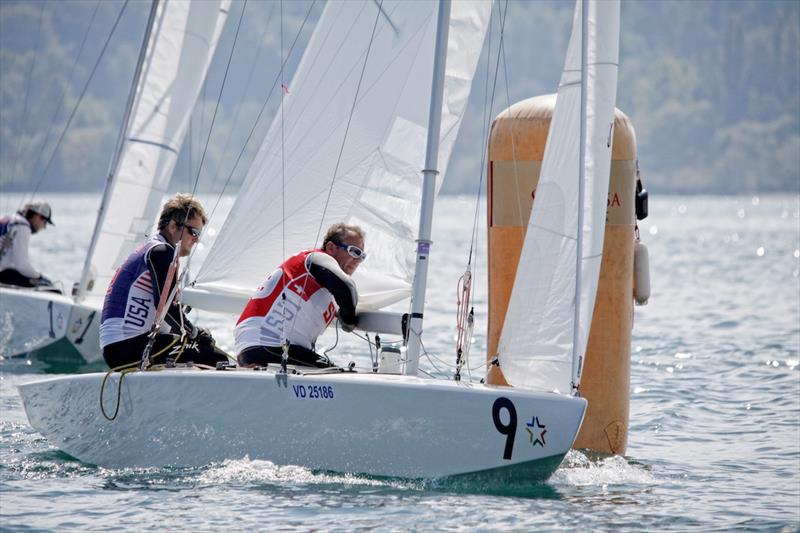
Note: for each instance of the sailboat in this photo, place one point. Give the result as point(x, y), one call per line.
point(363, 422)
point(179, 42)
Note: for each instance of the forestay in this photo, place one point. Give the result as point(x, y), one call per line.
point(378, 151)
point(181, 45)
point(536, 345)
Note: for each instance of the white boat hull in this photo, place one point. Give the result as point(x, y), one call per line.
point(381, 425)
point(48, 327)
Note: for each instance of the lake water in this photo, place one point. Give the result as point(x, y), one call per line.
point(714, 439)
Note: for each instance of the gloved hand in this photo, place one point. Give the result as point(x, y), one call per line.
point(201, 335)
point(324, 361)
point(348, 327)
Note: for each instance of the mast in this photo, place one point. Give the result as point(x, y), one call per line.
point(577, 358)
point(429, 174)
point(114, 163)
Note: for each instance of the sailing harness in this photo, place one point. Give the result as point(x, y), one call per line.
point(167, 295)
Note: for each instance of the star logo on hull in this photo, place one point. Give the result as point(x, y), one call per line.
point(536, 431)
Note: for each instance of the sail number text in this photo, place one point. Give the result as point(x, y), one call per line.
point(313, 392)
point(508, 429)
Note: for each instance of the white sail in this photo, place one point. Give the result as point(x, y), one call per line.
point(536, 345)
point(179, 51)
point(281, 207)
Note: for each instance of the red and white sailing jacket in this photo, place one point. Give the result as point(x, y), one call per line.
point(297, 302)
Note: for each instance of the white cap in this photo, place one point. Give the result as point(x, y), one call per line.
point(42, 208)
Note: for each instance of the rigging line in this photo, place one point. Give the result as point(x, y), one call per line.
point(219, 99)
point(347, 128)
point(190, 152)
point(485, 127)
point(513, 143)
point(336, 343)
point(349, 119)
point(202, 113)
point(427, 373)
point(260, 113)
point(311, 65)
point(386, 16)
point(28, 90)
point(450, 366)
point(424, 350)
point(181, 279)
point(52, 121)
point(487, 120)
point(364, 93)
point(431, 357)
point(436, 369)
point(284, 336)
point(484, 141)
point(247, 85)
point(80, 99)
point(283, 162)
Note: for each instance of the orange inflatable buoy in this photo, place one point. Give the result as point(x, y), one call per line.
point(516, 149)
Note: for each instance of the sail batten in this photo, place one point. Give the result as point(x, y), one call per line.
point(537, 345)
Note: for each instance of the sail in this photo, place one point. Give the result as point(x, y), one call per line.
point(179, 51)
point(320, 165)
point(536, 345)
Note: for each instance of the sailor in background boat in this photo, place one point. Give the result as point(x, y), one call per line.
point(133, 297)
point(15, 234)
point(300, 299)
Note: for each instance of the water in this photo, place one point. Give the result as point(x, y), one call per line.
point(714, 440)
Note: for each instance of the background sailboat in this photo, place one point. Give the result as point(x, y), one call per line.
point(178, 46)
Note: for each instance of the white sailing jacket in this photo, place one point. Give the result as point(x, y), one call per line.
point(14, 246)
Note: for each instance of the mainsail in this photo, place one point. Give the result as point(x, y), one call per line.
point(536, 346)
point(179, 51)
point(319, 164)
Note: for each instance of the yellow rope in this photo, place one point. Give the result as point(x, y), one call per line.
point(127, 369)
point(170, 345)
point(124, 369)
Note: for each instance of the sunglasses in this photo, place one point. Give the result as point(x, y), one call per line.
point(354, 251)
point(194, 232)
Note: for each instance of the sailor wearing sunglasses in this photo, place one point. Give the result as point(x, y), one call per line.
point(133, 296)
point(300, 299)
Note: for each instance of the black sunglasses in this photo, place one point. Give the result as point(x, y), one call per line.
point(194, 232)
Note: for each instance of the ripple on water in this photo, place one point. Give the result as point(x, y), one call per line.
point(715, 439)
point(726, 324)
